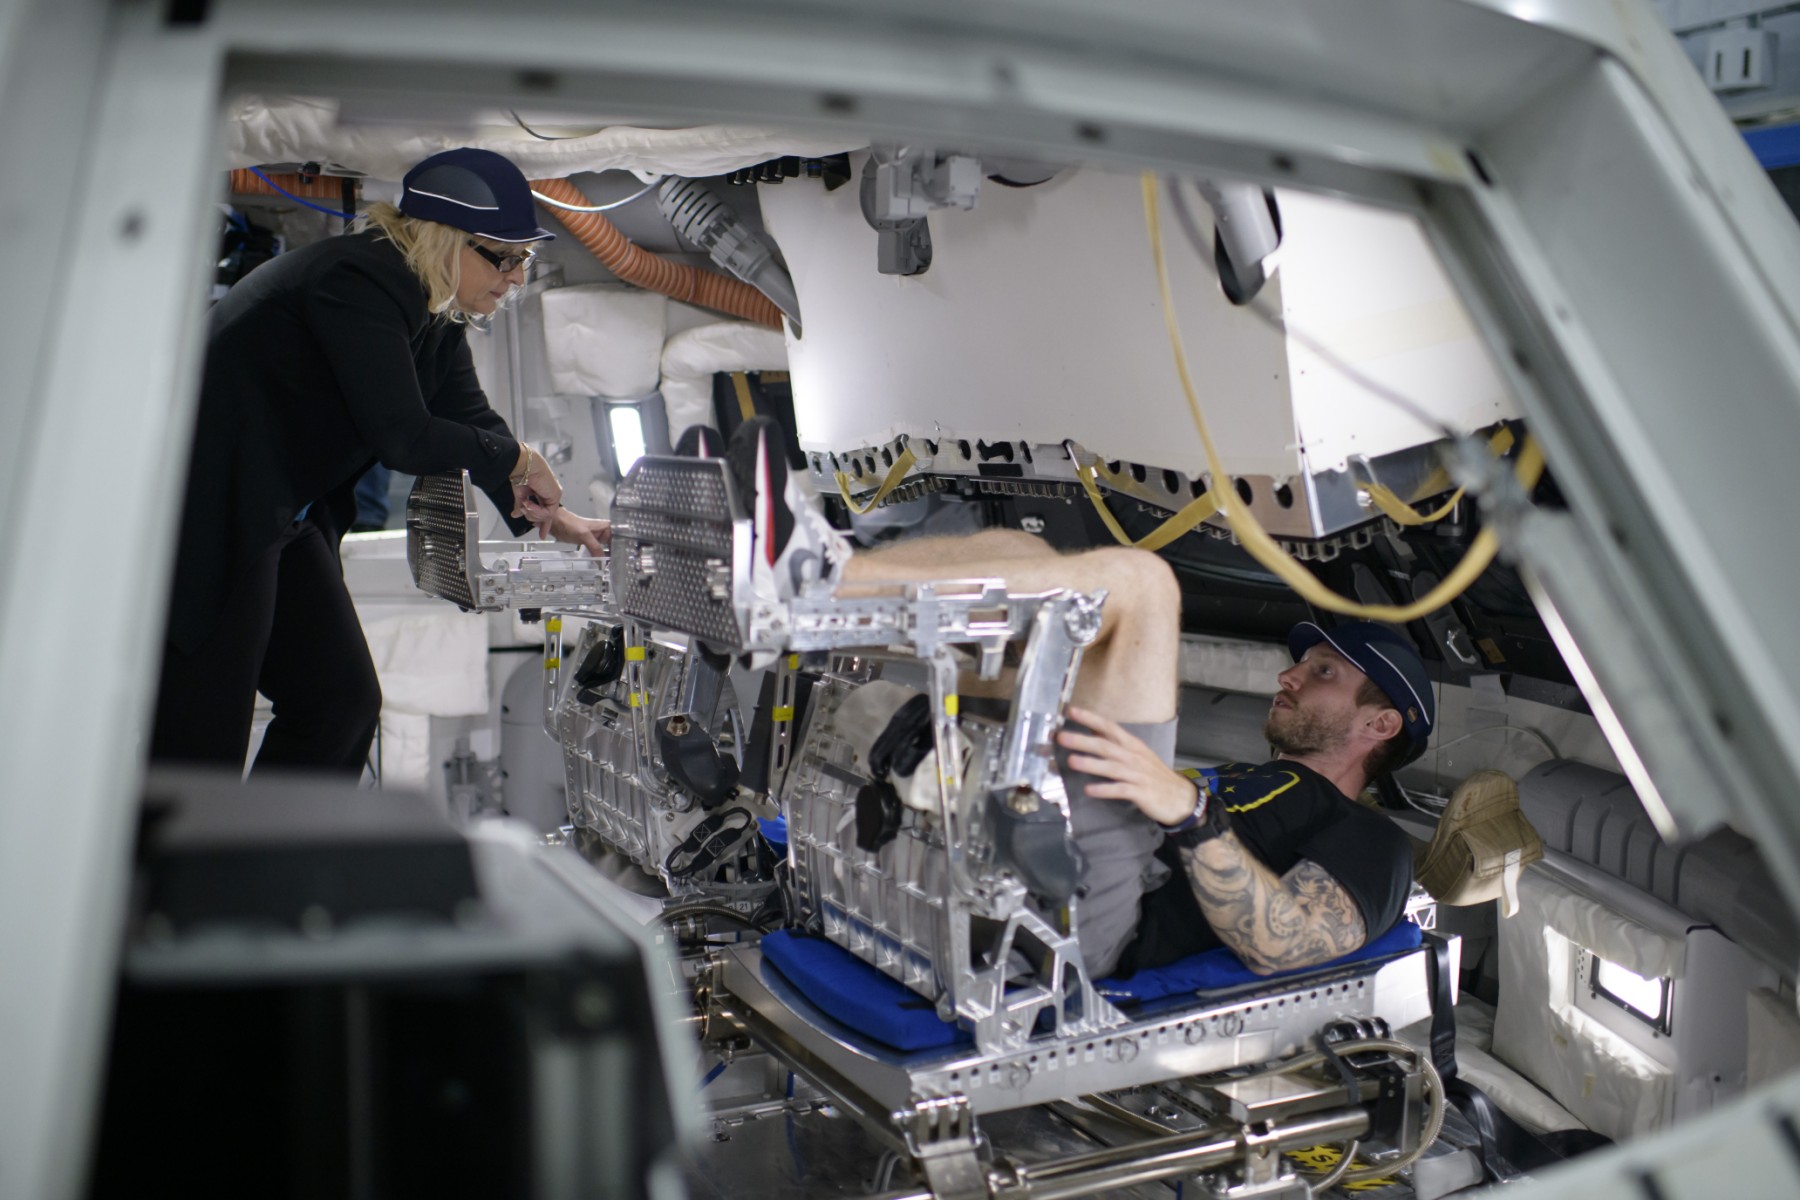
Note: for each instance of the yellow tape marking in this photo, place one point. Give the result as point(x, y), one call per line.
point(637, 699)
point(950, 703)
point(784, 712)
point(793, 662)
point(553, 624)
point(636, 653)
point(550, 664)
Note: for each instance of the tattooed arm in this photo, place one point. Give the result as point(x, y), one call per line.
point(1274, 923)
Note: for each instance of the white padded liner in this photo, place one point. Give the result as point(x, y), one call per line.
point(1610, 1085)
point(431, 664)
point(276, 129)
point(602, 340)
point(1521, 1099)
point(1774, 1036)
point(691, 358)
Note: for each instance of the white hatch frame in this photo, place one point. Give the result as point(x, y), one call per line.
point(1613, 239)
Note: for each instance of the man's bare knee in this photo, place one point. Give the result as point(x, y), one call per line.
point(1141, 587)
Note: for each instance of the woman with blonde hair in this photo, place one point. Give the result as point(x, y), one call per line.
point(322, 362)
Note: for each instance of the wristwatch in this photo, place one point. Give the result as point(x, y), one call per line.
point(1206, 822)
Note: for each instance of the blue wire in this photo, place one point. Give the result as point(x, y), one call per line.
point(330, 212)
point(718, 1070)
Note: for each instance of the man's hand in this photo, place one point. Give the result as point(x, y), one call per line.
point(1137, 774)
point(1274, 923)
point(565, 526)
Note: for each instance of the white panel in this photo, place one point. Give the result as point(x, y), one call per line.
point(1363, 284)
point(1773, 1037)
point(1038, 319)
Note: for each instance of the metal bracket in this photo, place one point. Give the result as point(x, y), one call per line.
point(900, 185)
point(940, 1134)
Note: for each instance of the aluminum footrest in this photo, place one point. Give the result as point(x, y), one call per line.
point(448, 561)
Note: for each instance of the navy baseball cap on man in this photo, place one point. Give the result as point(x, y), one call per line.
point(476, 191)
point(1390, 661)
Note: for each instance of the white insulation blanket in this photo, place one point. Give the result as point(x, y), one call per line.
point(1611, 1085)
point(604, 340)
point(431, 664)
point(283, 129)
point(691, 358)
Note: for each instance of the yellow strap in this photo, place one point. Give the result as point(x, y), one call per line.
point(1256, 540)
point(635, 653)
point(1402, 513)
point(746, 406)
point(1190, 515)
point(895, 474)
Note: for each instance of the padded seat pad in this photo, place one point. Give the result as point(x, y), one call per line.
point(859, 996)
point(1216, 969)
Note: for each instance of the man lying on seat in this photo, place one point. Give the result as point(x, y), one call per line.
point(1279, 862)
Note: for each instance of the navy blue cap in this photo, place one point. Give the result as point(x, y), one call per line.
point(1389, 659)
point(476, 191)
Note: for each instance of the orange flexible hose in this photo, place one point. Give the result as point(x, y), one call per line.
point(633, 264)
point(313, 187)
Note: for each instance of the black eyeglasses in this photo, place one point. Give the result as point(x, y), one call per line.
point(503, 263)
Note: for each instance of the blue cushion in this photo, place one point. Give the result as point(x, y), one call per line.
point(1212, 970)
point(858, 994)
point(863, 999)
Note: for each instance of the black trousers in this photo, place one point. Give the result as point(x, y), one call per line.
point(290, 632)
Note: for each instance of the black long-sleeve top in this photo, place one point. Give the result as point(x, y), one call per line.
point(320, 363)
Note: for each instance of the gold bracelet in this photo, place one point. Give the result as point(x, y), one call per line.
point(524, 476)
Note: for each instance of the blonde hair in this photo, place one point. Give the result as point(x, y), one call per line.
point(433, 251)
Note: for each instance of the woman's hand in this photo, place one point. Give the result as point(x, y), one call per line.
point(1134, 772)
point(565, 526)
point(536, 490)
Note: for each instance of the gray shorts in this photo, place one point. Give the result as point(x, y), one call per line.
point(1120, 844)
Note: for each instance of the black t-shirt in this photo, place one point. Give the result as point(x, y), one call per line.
point(1284, 812)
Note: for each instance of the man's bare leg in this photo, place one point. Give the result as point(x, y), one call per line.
point(1130, 672)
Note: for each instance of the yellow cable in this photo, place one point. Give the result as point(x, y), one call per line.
point(1256, 540)
point(1190, 514)
point(895, 474)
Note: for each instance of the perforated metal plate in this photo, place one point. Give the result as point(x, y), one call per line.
point(673, 538)
point(441, 532)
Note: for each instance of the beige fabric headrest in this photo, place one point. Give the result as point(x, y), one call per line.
point(1482, 844)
